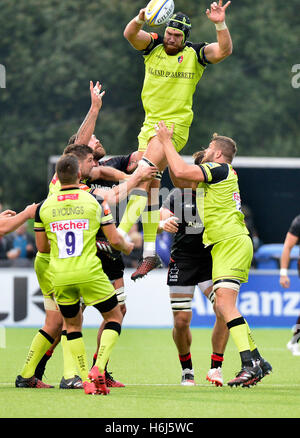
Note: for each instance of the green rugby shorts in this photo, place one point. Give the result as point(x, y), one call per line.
point(179, 139)
point(92, 292)
point(232, 258)
point(41, 267)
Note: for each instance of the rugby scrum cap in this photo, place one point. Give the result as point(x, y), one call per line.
point(181, 22)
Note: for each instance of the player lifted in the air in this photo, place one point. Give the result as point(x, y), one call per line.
point(173, 67)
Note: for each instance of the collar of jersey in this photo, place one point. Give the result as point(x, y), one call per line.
point(70, 188)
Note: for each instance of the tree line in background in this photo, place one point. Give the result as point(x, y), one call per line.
point(51, 49)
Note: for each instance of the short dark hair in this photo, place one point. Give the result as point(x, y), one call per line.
point(80, 150)
point(67, 168)
point(226, 145)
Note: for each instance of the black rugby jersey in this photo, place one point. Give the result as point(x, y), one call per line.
point(187, 242)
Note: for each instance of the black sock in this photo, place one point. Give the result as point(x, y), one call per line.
point(246, 358)
point(186, 361)
point(41, 366)
point(216, 360)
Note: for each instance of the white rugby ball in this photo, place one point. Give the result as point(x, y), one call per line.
point(159, 12)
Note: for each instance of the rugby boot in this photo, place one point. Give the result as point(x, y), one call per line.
point(31, 382)
point(187, 378)
point(248, 376)
point(72, 383)
point(146, 265)
point(99, 380)
point(215, 377)
point(111, 382)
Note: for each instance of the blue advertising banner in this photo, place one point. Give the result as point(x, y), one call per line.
point(262, 301)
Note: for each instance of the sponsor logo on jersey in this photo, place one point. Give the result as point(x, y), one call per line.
point(69, 225)
point(69, 196)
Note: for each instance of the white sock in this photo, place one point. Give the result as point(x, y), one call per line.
point(149, 249)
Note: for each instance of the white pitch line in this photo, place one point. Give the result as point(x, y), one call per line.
point(201, 385)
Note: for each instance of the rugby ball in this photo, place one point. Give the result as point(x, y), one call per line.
point(159, 12)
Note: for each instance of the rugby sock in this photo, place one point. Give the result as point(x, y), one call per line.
point(186, 361)
point(94, 359)
point(216, 360)
point(109, 337)
point(136, 205)
point(150, 221)
point(253, 347)
point(77, 348)
point(70, 369)
point(239, 332)
point(40, 344)
point(40, 368)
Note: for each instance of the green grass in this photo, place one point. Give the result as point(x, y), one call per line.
point(147, 362)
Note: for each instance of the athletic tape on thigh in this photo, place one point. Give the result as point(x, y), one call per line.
point(181, 289)
point(145, 162)
point(50, 304)
point(121, 297)
point(159, 176)
point(203, 285)
point(211, 297)
point(227, 284)
point(183, 304)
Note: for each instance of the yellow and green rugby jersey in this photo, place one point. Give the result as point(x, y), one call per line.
point(219, 203)
point(170, 81)
point(71, 219)
point(55, 186)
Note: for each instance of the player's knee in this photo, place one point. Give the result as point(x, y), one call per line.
point(182, 320)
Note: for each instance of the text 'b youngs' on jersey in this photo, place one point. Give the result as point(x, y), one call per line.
point(187, 241)
point(71, 219)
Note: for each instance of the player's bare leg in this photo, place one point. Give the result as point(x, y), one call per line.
point(182, 335)
point(146, 203)
point(110, 381)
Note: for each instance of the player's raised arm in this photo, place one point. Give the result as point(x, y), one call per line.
point(87, 127)
point(216, 52)
point(133, 32)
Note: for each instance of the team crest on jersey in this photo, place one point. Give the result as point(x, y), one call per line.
point(180, 59)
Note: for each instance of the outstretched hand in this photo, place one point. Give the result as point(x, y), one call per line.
point(96, 95)
point(216, 13)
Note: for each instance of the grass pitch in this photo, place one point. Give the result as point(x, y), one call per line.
point(146, 361)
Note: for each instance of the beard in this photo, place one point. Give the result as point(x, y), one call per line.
point(172, 50)
point(99, 153)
